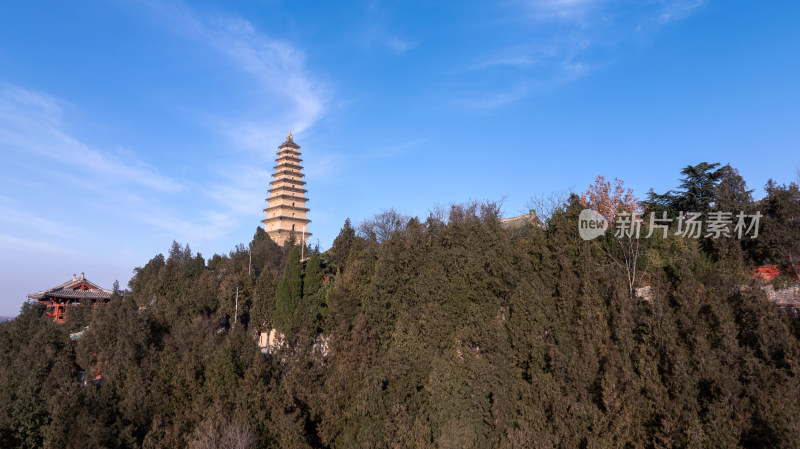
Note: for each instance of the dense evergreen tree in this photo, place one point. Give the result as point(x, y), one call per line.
point(290, 289)
point(779, 239)
point(731, 193)
point(342, 244)
point(696, 190)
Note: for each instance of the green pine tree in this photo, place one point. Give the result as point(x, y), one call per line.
point(290, 289)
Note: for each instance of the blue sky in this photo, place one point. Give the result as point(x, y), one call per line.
point(125, 125)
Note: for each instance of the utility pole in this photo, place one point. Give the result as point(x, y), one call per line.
point(236, 313)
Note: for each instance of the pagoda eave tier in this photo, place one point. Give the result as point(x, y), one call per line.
point(287, 231)
point(291, 181)
point(278, 174)
point(288, 166)
point(288, 157)
point(289, 189)
point(278, 219)
point(287, 197)
point(284, 206)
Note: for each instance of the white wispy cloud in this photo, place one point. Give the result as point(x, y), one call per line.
point(295, 100)
point(276, 64)
point(280, 94)
point(678, 9)
point(201, 229)
point(32, 122)
point(561, 9)
point(377, 35)
point(489, 101)
point(390, 151)
point(35, 138)
point(16, 244)
point(517, 60)
point(590, 13)
point(398, 45)
point(242, 188)
point(276, 67)
point(38, 224)
point(44, 137)
point(377, 30)
point(564, 39)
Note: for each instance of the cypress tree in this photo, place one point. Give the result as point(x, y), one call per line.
point(342, 244)
point(290, 289)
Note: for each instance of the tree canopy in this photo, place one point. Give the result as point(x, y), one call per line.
point(449, 331)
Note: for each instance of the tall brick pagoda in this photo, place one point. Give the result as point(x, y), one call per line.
point(286, 213)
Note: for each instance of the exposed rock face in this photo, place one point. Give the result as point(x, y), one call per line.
point(786, 297)
point(321, 345)
point(270, 341)
point(644, 293)
point(783, 298)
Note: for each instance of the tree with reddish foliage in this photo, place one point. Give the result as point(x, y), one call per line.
point(610, 199)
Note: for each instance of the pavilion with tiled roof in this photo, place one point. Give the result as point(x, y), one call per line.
point(69, 293)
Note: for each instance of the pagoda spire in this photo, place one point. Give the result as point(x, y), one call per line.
point(286, 212)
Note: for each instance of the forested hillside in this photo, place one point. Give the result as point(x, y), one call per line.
point(448, 331)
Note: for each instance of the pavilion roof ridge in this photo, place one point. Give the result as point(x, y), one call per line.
point(66, 286)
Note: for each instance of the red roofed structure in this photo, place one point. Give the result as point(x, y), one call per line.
point(768, 272)
point(69, 293)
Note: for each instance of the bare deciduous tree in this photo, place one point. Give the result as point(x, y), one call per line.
point(382, 225)
point(216, 431)
point(547, 204)
point(625, 256)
